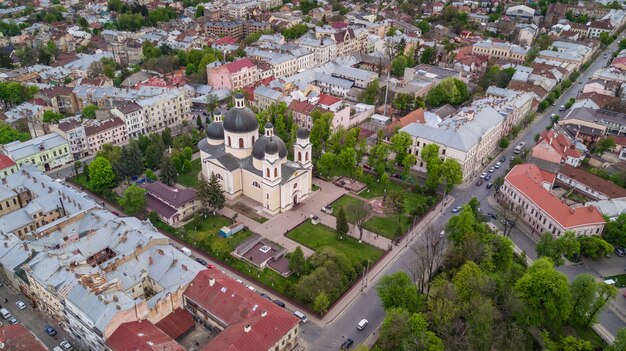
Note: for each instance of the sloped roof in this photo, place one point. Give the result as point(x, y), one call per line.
point(594, 182)
point(16, 337)
point(176, 323)
point(141, 336)
point(238, 65)
point(6, 161)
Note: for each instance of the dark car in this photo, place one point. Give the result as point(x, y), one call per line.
point(346, 344)
point(366, 166)
point(479, 182)
point(503, 158)
point(619, 252)
point(489, 185)
point(50, 331)
point(396, 175)
point(266, 296)
point(279, 303)
point(201, 261)
point(492, 215)
point(488, 177)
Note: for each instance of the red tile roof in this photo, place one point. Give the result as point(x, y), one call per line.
point(237, 307)
point(225, 40)
point(328, 100)
point(594, 182)
point(17, 338)
point(559, 143)
point(141, 336)
point(528, 180)
point(238, 65)
point(176, 323)
point(6, 161)
point(103, 125)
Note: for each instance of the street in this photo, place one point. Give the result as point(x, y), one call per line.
point(32, 319)
point(367, 305)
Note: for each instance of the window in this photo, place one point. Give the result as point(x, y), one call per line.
point(267, 172)
point(299, 156)
point(229, 144)
point(253, 139)
point(295, 186)
point(275, 172)
point(256, 184)
point(241, 143)
point(306, 156)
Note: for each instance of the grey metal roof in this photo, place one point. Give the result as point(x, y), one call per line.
point(240, 120)
point(215, 131)
point(258, 150)
point(19, 150)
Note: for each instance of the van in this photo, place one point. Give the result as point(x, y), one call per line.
point(186, 251)
point(301, 315)
point(5, 313)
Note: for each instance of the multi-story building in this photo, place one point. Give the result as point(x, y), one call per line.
point(165, 110)
point(99, 132)
point(589, 184)
point(132, 114)
point(556, 147)
point(172, 204)
point(500, 50)
point(224, 28)
point(598, 27)
point(324, 50)
point(7, 166)
point(265, 97)
point(284, 63)
point(526, 191)
point(470, 137)
point(233, 75)
point(73, 131)
point(46, 152)
point(62, 99)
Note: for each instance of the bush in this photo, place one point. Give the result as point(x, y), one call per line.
point(543, 105)
point(504, 143)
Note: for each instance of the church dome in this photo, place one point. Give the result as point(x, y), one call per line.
point(215, 131)
point(259, 148)
point(303, 133)
point(240, 119)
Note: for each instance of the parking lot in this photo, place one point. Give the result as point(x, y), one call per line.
point(31, 318)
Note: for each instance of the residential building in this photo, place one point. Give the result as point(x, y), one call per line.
point(500, 50)
point(256, 167)
point(172, 204)
point(526, 191)
point(7, 166)
point(16, 337)
point(598, 27)
point(557, 148)
point(141, 335)
point(46, 152)
point(73, 131)
point(589, 184)
point(521, 12)
point(605, 121)
point(470, 137)
point(265, 97)
point(283, 62)
point(60, 98)
point(133, 115)
point(246, 321)
point(109, 131)
point(233, 75)
point(165, 110)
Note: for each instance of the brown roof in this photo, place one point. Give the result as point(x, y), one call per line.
point(176, 323)
point(69, 124)
point(601, 24)
point(56, 91)
point(531, 88)
point(128, 108)
point(599, 99)
point(16, 337)
point(173, 196)
point(141, 336)
point(594, 182)
point(97, 127)
point(416, 116)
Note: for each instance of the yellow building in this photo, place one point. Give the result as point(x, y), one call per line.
point(257, 167)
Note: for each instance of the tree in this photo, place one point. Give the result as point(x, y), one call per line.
point(620, 341)
point(77, 166)
point(50, 116)
point(326, 163)
point(430, 154)
point(429, 254)
point(408, 162)
point(347, 160)
point(402, 330)
point(566, 245)
point(199, 11)
point(341, 225)
point(568, 343)
point(295, 31)
point(423, 26)
point(460, 225)
point(398, 65)
point(217, 198)
point(168, 171)
point(166, 136)
point(588, 298)
point(427, 55)
point(545, 294)
point(132, 159)
point(615, 231)
point(321, 303)
point(101, 175)
point(320, 132)
point(594, 246)
point(371, 92)
point(603, 145)
point(396, 204)
point(89, 111)
point(9, 134)
point(451, 173)
point(360, 212)
point(297, 262)
point(400, 143)
point(449, 91)
point(397, 290)
point(134, 200)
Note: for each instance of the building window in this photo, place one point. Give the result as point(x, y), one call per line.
point(267, 172)
point(256, 184)
point(299, 156)
point(241, 143)
point(306, 156)
point(229, 141)
point(295, 185)
point(275, 172)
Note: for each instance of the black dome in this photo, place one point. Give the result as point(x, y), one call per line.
point(271, 147)
point(258, 150)
point(215, 131)
point(269, 125)
point(240, 120)
point(303, 133)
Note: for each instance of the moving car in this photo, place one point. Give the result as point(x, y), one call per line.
point(201, 261)
point(456, 209)
point(301, 315)
point(20, 305)
point(362, 324)
point(50, 331)
point(619, 252)
point(346, 344)
point(562, 108)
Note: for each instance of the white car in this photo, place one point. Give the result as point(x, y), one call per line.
point(483, 175)
point(20, 305)
point(250, 287)
point(362, 324)
point(66, 346)
point(491, 170)
point(498, 164)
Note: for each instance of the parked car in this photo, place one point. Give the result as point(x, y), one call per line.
point(618, 252)
point(13, 320)
point(489, 185)
point(562, 108)
point(479, 182)
point(251, 288)
point(362, 324)
point(492, 169)
point(396, 175)
point(266, 296)
point(488, 177)
point(327, 209)
point(279, 303)
point(498, 164)
point(483, 175)
point(346, 344)
point(456, 209)
point(492, 215)
point(201, 261)
point(50, 331)
point(503, 158)
point(20, 305)
point(66, 346)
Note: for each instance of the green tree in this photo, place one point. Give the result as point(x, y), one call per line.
point(423, 26)
point(620, 341)
point(545, 294)
point(430, 155)
point(401, 142)
point(101, 175)
point(566, 245)
point(347, 160)
point(166, 136)
point(9, 134)
point(320, 132)
point(217, 198)
point(50, 116)
point(295, 31)
point(78, 165)
point(396, 203)
point(428, 55)
point(131, 160)
point(594, 246)
point(408, 162)
point(82, 22)
point(297, 263)
point(398, 65)
point(615, 231)
point(341, 225)
point(460, 225)
point(397, 290)
point(448, 91)
point(326, 163)
point(134, 200)
point(370, 94)
point(451, 173)
point(321, 303)
point(89, 111)
point(168, 171)
point(603, 145)
point(199, 11)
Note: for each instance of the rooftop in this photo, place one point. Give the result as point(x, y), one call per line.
point(594, 182)
point(22, 149)
point(16, 337)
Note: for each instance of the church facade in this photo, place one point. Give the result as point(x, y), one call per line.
point(254, 166)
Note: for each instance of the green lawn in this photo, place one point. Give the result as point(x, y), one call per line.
point(387, 226)
point(190, 179)
point(345, 201)
point(319, 236)
point(108, 194)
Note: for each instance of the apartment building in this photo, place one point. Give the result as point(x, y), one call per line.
point(233, 75)
point(165, 110)
point(265, 97)
point(556, 147)
point(109, 131)
point(60, 98)
point(470, 137)
point(132, 114)
point(598, 27)
point(73, 131)
point(589, 184)
point(324, 50)
point(500, 50)
point(46, 152)
point(7, 166)
point(526, 190)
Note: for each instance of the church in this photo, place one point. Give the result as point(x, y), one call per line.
point(252, 166)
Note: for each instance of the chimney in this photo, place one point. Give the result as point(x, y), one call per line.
point(247, 328)
point(264, 313)
point(183, 267)
point(4, 181)
point(150, 260)
point(211, 281)
point(25, 246)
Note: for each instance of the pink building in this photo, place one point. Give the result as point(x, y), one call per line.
point(233, 75)
point(557, 148)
